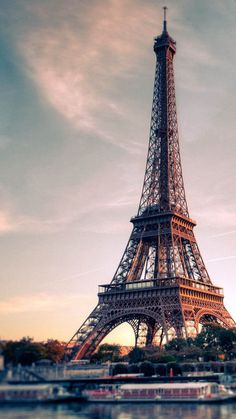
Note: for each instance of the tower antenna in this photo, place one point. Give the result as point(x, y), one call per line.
point(164, 21)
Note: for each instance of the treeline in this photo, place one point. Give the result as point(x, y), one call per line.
point(212, 344)
point(147, 369)
point(26, 351)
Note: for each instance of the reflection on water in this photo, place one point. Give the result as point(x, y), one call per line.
point(120, 411)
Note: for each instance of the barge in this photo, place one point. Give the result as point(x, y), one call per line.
point(200, 392)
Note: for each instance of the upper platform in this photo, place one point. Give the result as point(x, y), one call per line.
point(164, 41)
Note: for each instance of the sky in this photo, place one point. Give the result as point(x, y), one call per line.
point(76, 82)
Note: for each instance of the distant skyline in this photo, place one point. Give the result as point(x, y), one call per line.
point(76, 83)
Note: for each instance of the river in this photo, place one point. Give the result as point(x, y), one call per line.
point(120, 411)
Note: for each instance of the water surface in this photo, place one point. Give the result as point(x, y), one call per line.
point(120, 411)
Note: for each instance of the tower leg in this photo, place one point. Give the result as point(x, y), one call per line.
point(150, 333)
point(140, 333)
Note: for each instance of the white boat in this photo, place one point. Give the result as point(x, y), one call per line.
point(20, 393)
point(165, 392)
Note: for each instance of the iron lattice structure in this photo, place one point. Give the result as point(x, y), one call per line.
point(161, 287)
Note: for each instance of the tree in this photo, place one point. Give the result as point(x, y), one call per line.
point(151, 353)
point(23, 352)
point(192, 353)
point(227, 340)
point(164, 358)
point(160, 369)
point(208, 337)
point(133, 369)
point(120, 369)
point(147, 369)
point(136, 355)
point(175, 344)
point(210, 355)
point(107, 352)
point(54, 350)
point(216, 338)
point(178, 344)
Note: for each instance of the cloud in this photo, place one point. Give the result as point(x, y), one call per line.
point(225, 233)
point(217, 216)
point(78, 275)
point(17, 223)
point(77, 70)
point(100, 210)
point(221, 259)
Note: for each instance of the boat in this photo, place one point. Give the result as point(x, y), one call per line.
point(30, 393)
point(201, 392)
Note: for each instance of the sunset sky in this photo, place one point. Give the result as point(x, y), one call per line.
point(76, 80)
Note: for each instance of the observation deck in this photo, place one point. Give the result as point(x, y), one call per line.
point(162, 283)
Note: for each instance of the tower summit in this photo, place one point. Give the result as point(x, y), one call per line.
point(164, 20)
point(161, 286)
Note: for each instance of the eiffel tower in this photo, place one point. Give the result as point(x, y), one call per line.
point(161, 287)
